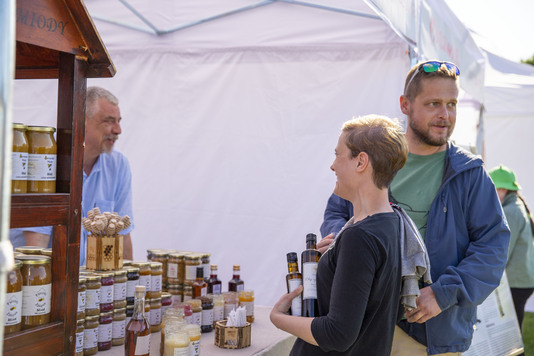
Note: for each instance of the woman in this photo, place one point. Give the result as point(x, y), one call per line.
point(520, 264)
point(359, 276)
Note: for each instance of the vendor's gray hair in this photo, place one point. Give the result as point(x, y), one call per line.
point(95, 93)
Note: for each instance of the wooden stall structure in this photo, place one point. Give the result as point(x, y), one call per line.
point(56, 39)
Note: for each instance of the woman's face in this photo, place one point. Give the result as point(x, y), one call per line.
point(501, 192)
point(344, 167)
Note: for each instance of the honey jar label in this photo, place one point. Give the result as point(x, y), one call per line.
point(42, 167)
point(207, 317)
point(155, 283)
point(218, 313)
point(142, 345)
point(92, 298)
point(119, 291)
point(81, 301)
point(118, 329)
point(36, 299)
point(106, 294)
point(197, 318)
point(191, 272)
point(104, 332)
point(79, 342)
point(12, 315)
point(172, 270)
point(145, 281)
point(155, 316)
point(194, 347)
point(90, 338)
point(19, 168)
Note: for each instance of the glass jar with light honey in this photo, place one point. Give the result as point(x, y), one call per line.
point(42, 157)
point(13, 300)
point(36, 290)
point(19, 160)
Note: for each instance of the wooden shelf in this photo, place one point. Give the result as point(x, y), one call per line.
point(41, 340)
point(49, 209)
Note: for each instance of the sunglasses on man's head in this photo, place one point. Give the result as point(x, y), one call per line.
point(431, 67)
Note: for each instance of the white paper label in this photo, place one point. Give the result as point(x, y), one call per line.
point(13, 306)
point(119, 291)
point(41, 167)
point(207, 317)
point(79, 342)
point(19, 166)
point(155, 316)
point(249, 306)
point(172, 270)
point(194, 347)
point(90, 338)
point(81, 301)
point(197, 318)
point(36, 300)
point(180, 351)
point(188, 319)
point(130, 288)
point(296, 303)
point(218, 313)
point(145, 281)
point(191, 272)
point(142, 345)
point(92, 299)
point(309, 280)
point(155, 283)
point(118, 329)
point(104, 332)
point(216, 289)
point(106, 294)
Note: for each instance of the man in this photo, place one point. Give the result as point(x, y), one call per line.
point(450, 197)
point(107, 180)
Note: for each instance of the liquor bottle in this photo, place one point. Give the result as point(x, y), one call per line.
point(310, 259)
point(293, 280)
point(214, 284)
point(236, 284)
point(138, 329)
point(200, 287)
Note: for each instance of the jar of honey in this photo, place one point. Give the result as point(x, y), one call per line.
point(156, 271)
point(80, 328)
point(205, 262)
point(175, 267)
point(36, 290)
point(144, 274)
point(176, 291)
point(133, 279)
point(13, 300)
point(19, 159)
point(118, 326)
point(81, 297)
point(166, 301)
point(196, 307)
point(106, 291)
point(92, 295)
point(119, 289)
point(105, 331)
point(194, 338)
point(90, 335)
point(42, 156)
point(162, 257)
point(155, 314)
point(192, 261)
point(246, 299)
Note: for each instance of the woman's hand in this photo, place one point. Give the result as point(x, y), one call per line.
point(283, 305)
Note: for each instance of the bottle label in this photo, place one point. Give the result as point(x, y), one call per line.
point(309, 280)
point(296, 303)
point(36, 300)
point(81, 301)
point(203, 291)
point(155, 316)
point(249, 306)
point(118, 329)
point(119, 291)
point(194, 347)
point(79, 342)
point(12, 315)
point(172, 270)
point(142, 345)
point(180, 351)
point(240, 287)
point(92, 299)
point(145, 281)
point(106, 294)
point(197, 318)
point(191, 272)
point(218, 313)
point(130, 288)
point(104, 332)
point(90, 338)
point(19, 166)
point(207, 317)
point(216, 288)
point(155, 283)
point(42, 167)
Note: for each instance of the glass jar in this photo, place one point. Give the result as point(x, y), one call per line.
point(92, 295)
point(126, 263)
point(230, 302)
point(191, 261)
point(166, 301)
point(194, 339)
point(207, 314)
point(81, 297)
point(106, 291)
point(188, 293)
point(105, 329)
point(129, 313)
point(176, 343)
point(78, 351)
point(175, 267)
point(42, 156)
point(118, 326)
point(155, 314)
point(144, 274)
point(246, 299)
point(160, 256)
point(36, 290)
point(19, 159)
point(205, 261)
point(90, 335)
point(187, 310)
point(218, 307)
point(29, 250)
point(133, 279)
point(120, 279)
point(176, 291)
point(168, 324)
point(156, 271)
point(13, 300)
point(196, 307)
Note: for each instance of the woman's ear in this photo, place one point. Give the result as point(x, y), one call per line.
point(362, 161)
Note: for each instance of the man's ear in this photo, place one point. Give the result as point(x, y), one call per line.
point(404, 104)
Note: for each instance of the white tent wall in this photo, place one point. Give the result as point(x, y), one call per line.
point(230, 127)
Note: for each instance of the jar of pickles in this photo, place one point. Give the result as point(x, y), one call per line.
point(92, 295)
point(118, 326)
point(119, 288)
point(36, 290)
point(90, 335)
point(192, 261)
point(78, 350)
point(144, 274)
point(155, 314)
point(81, 297)
point(133, 279)
point(42, 156)
point(105, 330)
point(19, 159)
point(13, 300)
point(156, 270)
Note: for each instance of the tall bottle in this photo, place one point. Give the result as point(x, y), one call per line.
point(236, 284)
point(200, 287)
point(138, 329)
point(293, 280)
point(310, 259)
point(214, 284)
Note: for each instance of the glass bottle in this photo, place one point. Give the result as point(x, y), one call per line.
point(138, 329)
point(293, 280)
point(214, 284)
point(200, 287)
point(310, 259)
point(236, 283)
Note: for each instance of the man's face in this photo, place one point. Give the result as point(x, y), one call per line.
point(432, 113)
point(103, 129)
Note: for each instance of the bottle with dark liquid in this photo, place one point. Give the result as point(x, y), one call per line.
point(138, 329)
point(200, 287)
point(214, 284)
point(310, 259)
point(293, 280)
point(236, 284)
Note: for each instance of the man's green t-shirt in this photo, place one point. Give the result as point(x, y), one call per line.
point(415, 186)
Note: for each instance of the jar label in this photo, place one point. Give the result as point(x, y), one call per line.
point(81, 301)
point(172, 270)
point(42, 167)
point(155, 283)
point(130, 288)
point(197, 318)
point(249, 306)
point(188, 319)
point(106, 294)
point(207, 317)
point(194, 347)
point(12, 315)
point(191, 272)
point(155, 316)
point(309, 280)
point(92, 299)
point(104, 332)
point(216, 289)
point(36, 299)
point(90, 338)
point(118, 329)
point(142, 345)
point(19, 166)
point(79, 342)
point(296, 303)
point(180, 351)
point(119, 291)
point(145, 281)
point(218, 313)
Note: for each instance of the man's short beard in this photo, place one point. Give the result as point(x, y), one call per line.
point(426, 139)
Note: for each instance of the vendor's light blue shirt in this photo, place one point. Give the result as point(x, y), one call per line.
point(108, 187)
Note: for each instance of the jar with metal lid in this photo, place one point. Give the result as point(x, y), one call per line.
point(176, 291)
point(207, 314)
point(118, 326)
point(105, 328)
point(194, 339)
point(47, 251)
point(246, 299)
point(92, 295)
point(42, 156)
point(106, 291)
point(144, 274)
point(29, 250)
point(129, 313)
point(155, 314)
point(191, 261)
point(36, 290)
point(156, 271)
point(218, 307)
point(172, 267)
point(119, 289)
point(90, 335)
point(166, 301)
point(19, 160)
point(205, 261)
point(169, 323)
point(188, 293)
point(230, 302)
point(196, 307)
point(162, 257)
point(78, 351)
point(81, 297)
point(133, 279)
point(126, 263)
point(13, 300)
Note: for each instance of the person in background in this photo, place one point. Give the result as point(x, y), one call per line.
point(107, 180)
point(520, 264)
point(357, 296)
point(452, 200)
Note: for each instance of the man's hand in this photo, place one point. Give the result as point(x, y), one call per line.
point(427, 307)
point(323, 245)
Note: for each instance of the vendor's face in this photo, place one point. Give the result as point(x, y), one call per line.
point(345, 168)
point(103, 129)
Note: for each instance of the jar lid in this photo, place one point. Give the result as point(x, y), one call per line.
point(106, 313)
point(129, 307)
point(29, 250)
point(91, 318)
point(120, 272)
point(193, 256)
point(175, 286)
point(41, 128)
point(82, 279)
point(93, 278)
point(47, 252)
point(126, 263)
point(204, 254)
point(119, 310)
point(80, 322)
point(130, 269)
point(156, 265)
point(155, 300)
point(140, 264)
point(157, 252)
point(17, 265)
point(166, 295)
point(19, 126)
point(105, 274)
point(34, 259)
point(180, 253)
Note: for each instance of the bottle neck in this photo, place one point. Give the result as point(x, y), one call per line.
point(293, 267)
point(310, 245)
point(213, 274)
point(139, 308)
point(236, 275)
